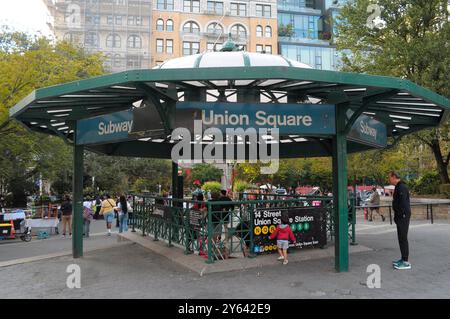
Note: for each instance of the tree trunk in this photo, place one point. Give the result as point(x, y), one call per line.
point(440, 161)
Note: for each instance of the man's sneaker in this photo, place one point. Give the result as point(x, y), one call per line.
point(280, 258)
point(402, 265)
point(285, 262)
point(396, 262)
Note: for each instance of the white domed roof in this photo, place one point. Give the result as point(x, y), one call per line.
point(229, 59)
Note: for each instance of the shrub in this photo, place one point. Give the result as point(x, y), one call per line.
point(444, 189)
point(240, 186)
point(427, 184)
point(212, 186)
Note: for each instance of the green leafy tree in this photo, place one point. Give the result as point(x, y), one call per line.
point(206, 172)
point(28, 63)
point(414, 44)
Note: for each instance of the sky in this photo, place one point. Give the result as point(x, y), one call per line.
point(25, 15)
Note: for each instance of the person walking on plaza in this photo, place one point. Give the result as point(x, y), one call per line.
point(107, 211)
point(98, 206)
point(402, 215)
point(66, 216)
point(116, 211)
point(374, 204)
point(283, 233)
point(123, 208)
point(87, 216)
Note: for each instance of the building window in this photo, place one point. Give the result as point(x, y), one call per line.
point(269, 49)
point(238, 9)
point(117, 61)
point(133, 62)
point(130, 20)
point(215, 28)
point(259, 31)
point(138, 20)
point(304, 26)
point(318, 62)
point(191, 5)
point(263, 11)
point(91, 39)
point(160, 25)
point(108, 62)
point(191, 27)
point(214, 47)
point(71, 37)
point(169, 25)
point(190, 48)
point(169, 46)
point(239, 31)
point(134, 41)
point(159, 46)
point(109, 19)
point(118, 20)
point(92, 19)
point(113, 40)
point(259, 48)
point(164, 5)
point(268, 32)
point(215, 7)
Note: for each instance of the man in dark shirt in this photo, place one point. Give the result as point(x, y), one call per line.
point(402, 215)
point(66, 218)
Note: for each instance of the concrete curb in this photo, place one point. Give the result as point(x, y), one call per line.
point(55, 255)
point(198, 265)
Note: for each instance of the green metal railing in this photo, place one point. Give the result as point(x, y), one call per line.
point(220, 228)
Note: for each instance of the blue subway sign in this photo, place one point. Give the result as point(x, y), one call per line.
point(105, 128)
point(369, 131)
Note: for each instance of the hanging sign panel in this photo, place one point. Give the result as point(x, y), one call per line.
point(299, 119)
point(306, 119)
point(105, 128)
point(369, 131)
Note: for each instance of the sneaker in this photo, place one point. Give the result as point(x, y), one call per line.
point(109, 234)
point(280, 258)
point(63, 236)
point(285, 262)
point(397, 262)
point(402, 265)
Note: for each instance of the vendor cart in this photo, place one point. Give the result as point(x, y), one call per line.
point(13, 225)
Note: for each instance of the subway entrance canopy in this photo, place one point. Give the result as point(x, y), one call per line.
point(318, 113)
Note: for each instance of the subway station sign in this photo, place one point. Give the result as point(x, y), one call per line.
point(369, 131)
point(307, 119)
point(299, 119)
point(307, 223)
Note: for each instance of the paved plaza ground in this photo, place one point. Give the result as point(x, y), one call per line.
point(122, 269)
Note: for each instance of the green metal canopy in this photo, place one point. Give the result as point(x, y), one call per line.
point(402, 105)
point(233, 77)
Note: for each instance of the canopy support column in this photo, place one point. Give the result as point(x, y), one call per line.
point(340, 191)
point(78, 171)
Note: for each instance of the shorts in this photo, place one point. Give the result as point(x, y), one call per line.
point(283, 244)
point(109, 216)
